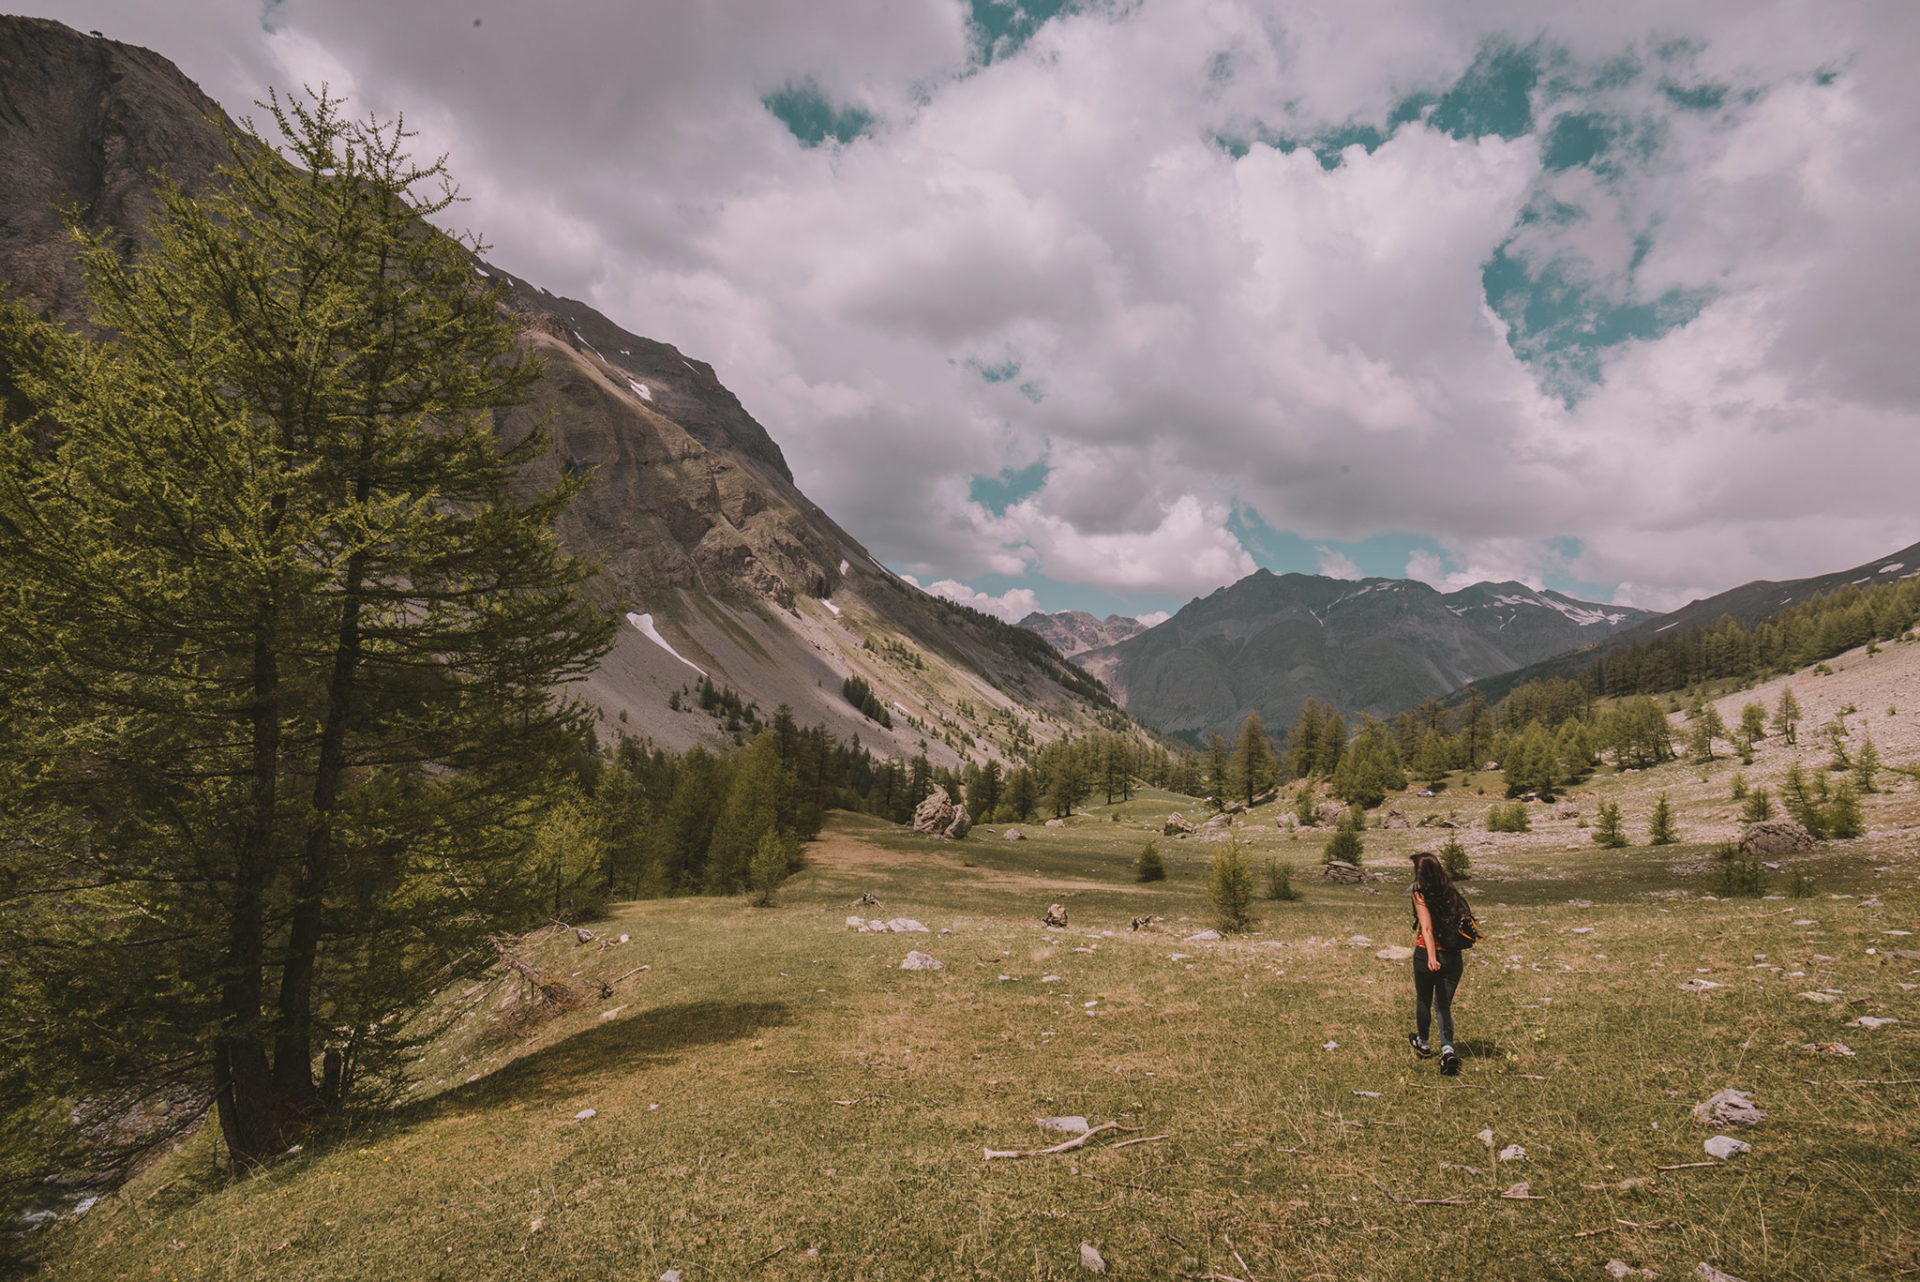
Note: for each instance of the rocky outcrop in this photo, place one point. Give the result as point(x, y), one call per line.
point(1176, 826)
point(1339, 870)
point(1775, 837)
point(941, 816)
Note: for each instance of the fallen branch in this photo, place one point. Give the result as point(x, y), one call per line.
point(768, 1256)
point(1418, 1201)
point(1594, 1232)
point(1687, 1166)
point(1073, 1143)
point(1874, 1081)
point(606, 985)
point(1144, 1139)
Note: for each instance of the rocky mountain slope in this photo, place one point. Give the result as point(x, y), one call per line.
point(1751, 603)
point(721, 565)
point(1074, 632)
point(1269, 643)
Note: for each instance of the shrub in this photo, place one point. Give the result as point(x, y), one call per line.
point(1344, 845)
point(772, 860)
point(1453, 857)
point(1801, 887)
point(1842, 813)
point(1277, 878)
point(1511, 817)
point(1739, 876)
point(1149, 867)
point(1739, 787)
point(1230, 887)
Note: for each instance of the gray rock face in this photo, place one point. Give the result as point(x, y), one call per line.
point(941, 816)
point(1775, 837)
point(1074, 632)
point(1341, 871)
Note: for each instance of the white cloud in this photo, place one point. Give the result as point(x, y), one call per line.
point(1012, 605)
point(1336, 565)
point(1153, 618)
point(1193, 329)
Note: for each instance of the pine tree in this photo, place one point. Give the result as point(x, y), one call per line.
point(1802, 803)
point(1219, 785)
point(1453, 857)
point(1753, 722)
point(1786, 716)
point(1866, 766)
point(1707, 726)
point(1739, 786)
point(1252, 770)
point(1306, 811)
point(1660, 829)
point(1609, 831)
point(280, 636)
point(1842, 812)
point(1230, 887)
point(1758, 807)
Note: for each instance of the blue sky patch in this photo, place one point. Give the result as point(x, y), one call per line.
point(811, 118)
point(998, 493)
point(1001, 28)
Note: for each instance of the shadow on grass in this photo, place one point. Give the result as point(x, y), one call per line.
point(640, 1040)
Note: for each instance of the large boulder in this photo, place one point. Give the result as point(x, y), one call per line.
point(1176, 826)
point(941, 816)
point(1056, 915)
point(1056, 823)
point(1342, 871)
point(1219, 821)
point(1330, 812)
point(1395, 819)
point(1013, 834)
point(1775, 837)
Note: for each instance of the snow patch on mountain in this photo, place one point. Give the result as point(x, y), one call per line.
point(644, 622)
point(640, 390)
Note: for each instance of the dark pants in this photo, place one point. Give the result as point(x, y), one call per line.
point(1435, 987)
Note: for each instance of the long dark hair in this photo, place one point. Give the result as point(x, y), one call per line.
point(1431, 880)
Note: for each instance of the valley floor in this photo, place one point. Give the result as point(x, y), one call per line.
point(775, 1099)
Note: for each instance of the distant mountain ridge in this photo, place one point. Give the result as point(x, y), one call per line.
point(1073, 632)
point(1269, 643)
point(1751, 603)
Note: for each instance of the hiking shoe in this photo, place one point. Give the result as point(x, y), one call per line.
point(1419, 1047)
point(1449, 1063)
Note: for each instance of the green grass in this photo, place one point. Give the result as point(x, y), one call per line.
point(775, 1083)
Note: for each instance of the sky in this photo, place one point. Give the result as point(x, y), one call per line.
point(1103, 305)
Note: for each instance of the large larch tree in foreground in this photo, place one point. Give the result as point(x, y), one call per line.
point(279, 641)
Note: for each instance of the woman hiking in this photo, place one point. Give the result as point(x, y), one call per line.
point(1437, 912)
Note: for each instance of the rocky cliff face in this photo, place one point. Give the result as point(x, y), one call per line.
point(1073, 632)
point(1269, 643)
point(723, 567)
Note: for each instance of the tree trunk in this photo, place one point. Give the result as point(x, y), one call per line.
point(293, 1047)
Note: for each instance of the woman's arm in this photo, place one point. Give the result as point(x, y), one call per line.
point(1426, 930)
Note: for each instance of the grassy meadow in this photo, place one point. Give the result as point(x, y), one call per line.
point(775, 1099)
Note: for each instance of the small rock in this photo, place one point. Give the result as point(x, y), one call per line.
point(1725, 1146)
point(1049, 979)
point(1520, 1192)
point(1486, 1137)
point(1329, 1046)
point(1699, 985)
point(1728, 1108)
point(1056, 823)
point(1064, 1125)
point(671, 1275)
point(584, 1114)
point(877, 926)
point(917, 960)
point(1175, 826)
point(905, 925)
point(1707, 1273)
point(1179, 956)
point(1870, 1022)
point(1395, 953)
point(1090, 1259)
point(1056, 915)
point(1823, 998)
point(1013, 834)
point(1368, 1094)
point(1620, 1269)
point(856, 923)
point(1358, 941)
point(1395, 819)
point(1513, 1153)
point(581, 935)
point(1828, 1048)
point(537, 1223)
point(1201, 936)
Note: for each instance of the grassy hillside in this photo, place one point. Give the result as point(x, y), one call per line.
point(774, 1085)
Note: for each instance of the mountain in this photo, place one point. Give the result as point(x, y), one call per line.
point(1074, 632)
point(1269, 643)
point(721, 565)
point(1751, 603)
